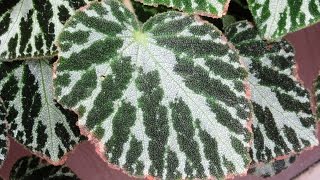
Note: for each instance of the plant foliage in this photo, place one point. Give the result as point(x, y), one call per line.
point(27, 168)
point(216, 8)
point(28, 28)
point(159, 95)
point(3, 133)
point(276, 18)
point(34, 118)
point(282, 118)
point(164, 91)
point(272, 168)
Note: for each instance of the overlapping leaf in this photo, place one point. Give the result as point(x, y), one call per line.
point(166, 97)
point(211, 8)
point(272, 168)
point(28, 27)
point(276, 18)
point(32, 167)
point(3, 133)
point(35, 120)
point(282, 120)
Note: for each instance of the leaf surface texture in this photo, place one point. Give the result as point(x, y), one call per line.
point(28, 28)
point(276, 18)
point(34, 118)
point(167, 98)
point(32, 167)
point(282, 118)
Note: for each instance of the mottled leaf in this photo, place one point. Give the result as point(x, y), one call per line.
point(211, 8)
point(317, 95)
point(166, 97)
point(34, 168)
point(282, 119)
point(35, 120)
point(272, 168)
point(28, 28)
point(276, 18)
point(4, 141)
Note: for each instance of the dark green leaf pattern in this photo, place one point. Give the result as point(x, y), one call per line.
point(167, 98)
point(28, 28)
point(276, 18)
point(35, 119)
point(282, 120)
point(34, 168)
point(317, 95)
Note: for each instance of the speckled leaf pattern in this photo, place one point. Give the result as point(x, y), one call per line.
point(276, 18)
point(317, 95)
point(211, 8)
point(3, 133)
point(167, 98)
point(272, 168)
point(28, 168)
point(282, 119)
point(28, 27)
point(34, 119)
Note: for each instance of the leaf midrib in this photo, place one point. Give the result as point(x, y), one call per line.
point(47, 103)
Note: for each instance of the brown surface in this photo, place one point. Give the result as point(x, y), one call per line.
point(89, 166)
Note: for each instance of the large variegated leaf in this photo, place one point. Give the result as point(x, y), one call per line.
point(282, 119)
point(28, 27)
point(271, 168)
point(3, 133)
point(33, 168)
point(211, 8)
point(166, 98)
point(35, 120)
point(276, 18)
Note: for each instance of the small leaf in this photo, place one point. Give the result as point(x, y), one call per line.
point(204, 7)
point(35, 120)
point(28, 168)
point(28, 27)
point(282, 119)
point(276, 18)
point(166, 97)
point(4, 141)
point(272, 168)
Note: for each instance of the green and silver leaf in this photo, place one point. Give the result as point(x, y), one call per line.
point(34, 118)
point(34, 168)
point(282, 120)
point(4, 141)
point(272, 168)
point(317, 95)
point(211, 8)
point(276, 18)
point(167, 98)
point(28, 27)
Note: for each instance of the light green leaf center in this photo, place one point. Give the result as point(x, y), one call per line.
point(140, 37)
